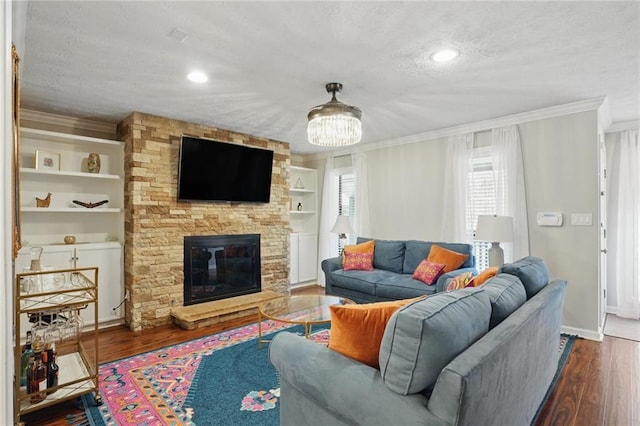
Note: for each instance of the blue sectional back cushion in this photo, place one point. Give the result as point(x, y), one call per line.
point(507, 294)
point(420, 339)
point(387, 255)
point(532, 271)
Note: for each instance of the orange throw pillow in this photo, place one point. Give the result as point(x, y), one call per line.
point(451, 259)
point(366, 247)
point(484, 276)
point(357, 330)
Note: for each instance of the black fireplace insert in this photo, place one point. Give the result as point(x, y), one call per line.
point(220, 266)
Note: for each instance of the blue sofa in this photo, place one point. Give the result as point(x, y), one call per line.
point(393, 263)
point(475, 356)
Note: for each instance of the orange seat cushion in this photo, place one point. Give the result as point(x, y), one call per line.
point(451, 259)
point(357, 330)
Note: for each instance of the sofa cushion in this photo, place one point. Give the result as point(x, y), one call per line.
point(356, 330)
point(417, 251)
point(428, 272)
point(361, 281)
point(483, 276)
point(402, 286)
point(451, 259)
point(366, 247)
point(358, 261)
point(532, 271)
point(389, 255)
point(506, 294)
point(421, 338)
point(461, 281)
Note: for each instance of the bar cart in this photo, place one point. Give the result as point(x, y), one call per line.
point(51, 300)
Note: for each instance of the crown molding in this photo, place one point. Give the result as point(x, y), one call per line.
point(624, 125)
point(66, 121)
point(593, 104)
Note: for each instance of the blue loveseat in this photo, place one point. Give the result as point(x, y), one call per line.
point(393, 263)
point(475, 356)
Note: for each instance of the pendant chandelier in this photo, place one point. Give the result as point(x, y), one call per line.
point(334, 124)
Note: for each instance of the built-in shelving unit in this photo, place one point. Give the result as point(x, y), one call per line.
point(67, 178)
point(99, 231)
point(304, 224)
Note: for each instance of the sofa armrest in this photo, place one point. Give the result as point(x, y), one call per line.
point(328, 266)
point(443, 280)
point(317, 378)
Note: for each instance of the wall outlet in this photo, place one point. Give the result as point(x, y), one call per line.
point(581, 219)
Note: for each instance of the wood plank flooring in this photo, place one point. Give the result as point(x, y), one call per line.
point(600, 385)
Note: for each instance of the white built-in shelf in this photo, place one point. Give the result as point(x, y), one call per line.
point(48, 136)
point(301, 191)
point(70, 210)
point(31, 171)
point(301, 212)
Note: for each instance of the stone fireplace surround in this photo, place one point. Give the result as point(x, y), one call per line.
point(155, 222)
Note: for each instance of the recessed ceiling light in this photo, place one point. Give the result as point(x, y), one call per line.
point(445, 55)
point(197, 76)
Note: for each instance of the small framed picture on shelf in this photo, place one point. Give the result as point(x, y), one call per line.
point(47, 160)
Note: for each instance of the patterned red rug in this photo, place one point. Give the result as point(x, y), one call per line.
point(224, 375)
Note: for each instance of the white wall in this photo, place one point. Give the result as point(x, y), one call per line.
point(561, 174)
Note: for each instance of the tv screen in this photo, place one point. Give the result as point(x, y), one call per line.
point(217, 171)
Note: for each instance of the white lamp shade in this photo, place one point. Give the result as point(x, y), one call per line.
point(494, 228)
point(342, 226)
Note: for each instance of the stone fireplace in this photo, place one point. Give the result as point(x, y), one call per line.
point(220, 266)
point(156, 223)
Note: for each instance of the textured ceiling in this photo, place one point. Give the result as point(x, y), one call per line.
point(268, 62)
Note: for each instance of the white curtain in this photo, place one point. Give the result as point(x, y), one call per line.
point(508, 170)
point(361, 223)
point(328, 241)
point(459, 163)
point(624, 222)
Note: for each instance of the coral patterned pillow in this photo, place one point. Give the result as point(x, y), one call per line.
point(461, 281)
point(366, 247)
point(358, 261)
point(428, 272)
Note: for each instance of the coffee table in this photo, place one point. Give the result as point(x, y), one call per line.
point(305, 310)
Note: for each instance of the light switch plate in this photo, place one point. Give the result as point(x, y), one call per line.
point(581, 219)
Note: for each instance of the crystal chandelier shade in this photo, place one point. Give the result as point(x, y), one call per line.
point(334, 124)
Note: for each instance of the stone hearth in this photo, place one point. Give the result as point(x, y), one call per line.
point(204, 314)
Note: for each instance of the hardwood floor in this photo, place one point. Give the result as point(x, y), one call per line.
point(600, 384)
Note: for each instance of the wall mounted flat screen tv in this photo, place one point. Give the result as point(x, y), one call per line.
point(217, 171)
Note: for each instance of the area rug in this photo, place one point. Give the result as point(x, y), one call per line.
point(222, 379)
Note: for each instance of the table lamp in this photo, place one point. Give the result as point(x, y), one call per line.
point(495, 229)
point(342, 228)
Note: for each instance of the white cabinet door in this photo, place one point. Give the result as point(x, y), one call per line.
point(106, 256)
point(293, 259)
point(110, 285)
point(307, 257)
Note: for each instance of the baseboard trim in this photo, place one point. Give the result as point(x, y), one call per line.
point(581, 332)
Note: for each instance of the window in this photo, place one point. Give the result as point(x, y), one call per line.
point(482, 200)
point(346, 203)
